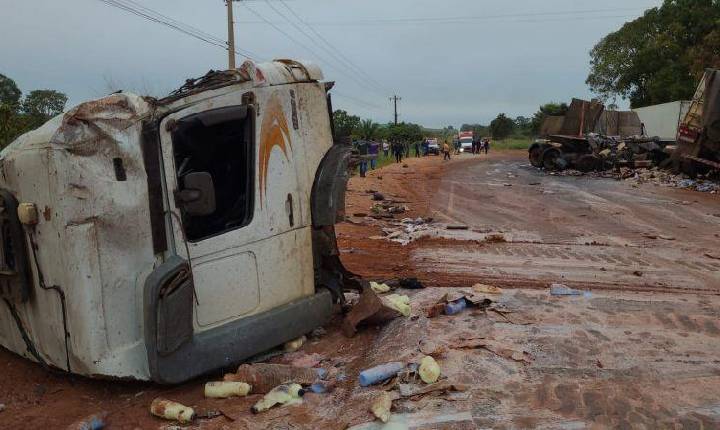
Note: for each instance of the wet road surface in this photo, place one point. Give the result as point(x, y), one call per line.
point(587, 230)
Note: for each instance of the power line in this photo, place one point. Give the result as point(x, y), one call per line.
point(357, 100)
point(328, 63)
point(154, 16)
point(312, 40)
point(577, 14)
point(332, 49)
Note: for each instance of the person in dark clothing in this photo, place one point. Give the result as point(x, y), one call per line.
point(417, 149)
point(398, 150)
point(373, 150)
point(487, 146)
point(363, 148)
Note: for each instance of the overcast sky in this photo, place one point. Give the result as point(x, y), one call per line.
point(451, 61)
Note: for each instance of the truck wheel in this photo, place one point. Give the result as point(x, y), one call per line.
point(587, 163)
point(550, 159)
point(535, 154)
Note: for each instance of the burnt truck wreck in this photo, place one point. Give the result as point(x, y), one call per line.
point(589, 138)
point(162, 239)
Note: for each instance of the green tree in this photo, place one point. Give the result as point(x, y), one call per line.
point(368, 129)
point(9, 91)
point(478, 130)
point(404, 132)
point(501, 127)
point(523, 125)
point(41, 105)
point(548, 109)
point(345, 124)
point(658, 57)
point(20, 116)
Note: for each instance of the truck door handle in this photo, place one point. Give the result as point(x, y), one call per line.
point(289, 210)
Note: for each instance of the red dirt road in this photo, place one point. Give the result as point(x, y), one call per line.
point(641, 351)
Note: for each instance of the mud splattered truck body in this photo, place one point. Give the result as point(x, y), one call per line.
point(161, 239)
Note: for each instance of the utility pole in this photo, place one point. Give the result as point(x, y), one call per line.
point(231, 35)
point(395, 100)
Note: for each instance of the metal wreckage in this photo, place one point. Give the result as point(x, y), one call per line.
point(589, 138)
point(161, 239)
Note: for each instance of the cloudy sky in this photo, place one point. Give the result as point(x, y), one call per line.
point(451, 61)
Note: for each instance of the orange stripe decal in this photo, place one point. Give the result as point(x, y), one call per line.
point(274, 132)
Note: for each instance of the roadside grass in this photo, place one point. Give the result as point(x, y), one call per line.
point(511, 143)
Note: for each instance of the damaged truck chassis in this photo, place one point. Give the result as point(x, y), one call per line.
point(162, 239)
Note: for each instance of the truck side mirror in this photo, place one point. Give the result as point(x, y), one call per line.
point(197, 198)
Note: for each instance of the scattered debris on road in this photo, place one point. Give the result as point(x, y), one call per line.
point(225, 389)
point(173, 411)
point(93, 422)
point(381, 406)
point(380, 373)
point(429, 370)
point(282, 395)
point(263, 377)
point(564, 290)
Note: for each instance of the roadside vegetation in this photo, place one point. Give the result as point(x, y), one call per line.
point(660, 56)
point(20, 114)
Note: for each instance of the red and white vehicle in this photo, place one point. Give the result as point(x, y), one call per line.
point(466, 141)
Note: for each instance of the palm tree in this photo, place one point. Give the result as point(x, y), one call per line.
point(368, 130)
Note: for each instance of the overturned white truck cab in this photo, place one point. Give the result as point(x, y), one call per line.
point(162, 239)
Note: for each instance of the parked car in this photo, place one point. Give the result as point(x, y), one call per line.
point(433, 147)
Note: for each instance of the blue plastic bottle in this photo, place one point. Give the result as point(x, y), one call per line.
point(456, 307)
point(380, 373)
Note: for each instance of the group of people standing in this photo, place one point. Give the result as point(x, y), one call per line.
point(480, 145)
point(369, 151)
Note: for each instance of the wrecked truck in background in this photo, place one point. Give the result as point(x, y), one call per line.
point(698, 149)
point(589, 138)
point(162, 239)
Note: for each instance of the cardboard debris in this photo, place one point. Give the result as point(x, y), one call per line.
point(381, 406)
point(412, 390)
point(369, 310)
point(486, 289)
point(496, 348)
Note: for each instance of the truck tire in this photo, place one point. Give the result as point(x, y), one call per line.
point(550, 158)
point(587, 163)
point(535, 154)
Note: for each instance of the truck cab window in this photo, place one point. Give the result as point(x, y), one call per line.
point(219, 142)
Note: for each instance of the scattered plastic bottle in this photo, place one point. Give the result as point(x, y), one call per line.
point(380, 373)
point(93, 422)
point(285, 394)
point(456, 307)
point(225, 389)
point(318, 388)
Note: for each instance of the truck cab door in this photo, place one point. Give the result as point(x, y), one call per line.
point(235, 204)
point(209, 168)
